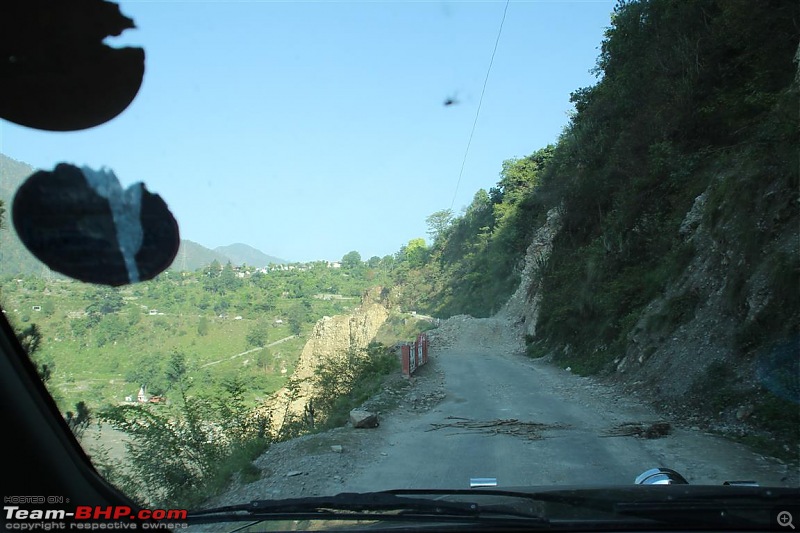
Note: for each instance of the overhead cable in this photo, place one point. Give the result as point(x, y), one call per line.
point(480, 103)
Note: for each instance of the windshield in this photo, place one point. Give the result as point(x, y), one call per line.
point(413, 245)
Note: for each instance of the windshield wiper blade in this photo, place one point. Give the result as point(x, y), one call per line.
point(670, 505)
point(347, 501)
point(352, 506)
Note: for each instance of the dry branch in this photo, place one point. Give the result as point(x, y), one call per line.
point(508, 426)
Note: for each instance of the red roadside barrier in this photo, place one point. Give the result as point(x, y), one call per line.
point(414, 354)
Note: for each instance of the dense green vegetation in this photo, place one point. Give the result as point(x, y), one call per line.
point(102, 344)
point(186, 451)
point(694, 99)
point(210, 345)
point(693, 96)
point(472, 265)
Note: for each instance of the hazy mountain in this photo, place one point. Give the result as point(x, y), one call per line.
point(12, 174)
point(192, 256)
point(15, 257)
point(242, 254)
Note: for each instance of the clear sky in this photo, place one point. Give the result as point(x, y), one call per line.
point(310, 129)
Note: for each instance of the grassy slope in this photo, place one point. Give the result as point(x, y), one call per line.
point(87, 371)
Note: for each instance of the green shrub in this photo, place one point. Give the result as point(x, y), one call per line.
point(182, 453)
point(345, 382)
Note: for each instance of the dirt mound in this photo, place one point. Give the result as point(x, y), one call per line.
point(467, 334)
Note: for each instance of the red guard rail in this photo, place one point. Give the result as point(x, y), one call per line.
point(414, 354)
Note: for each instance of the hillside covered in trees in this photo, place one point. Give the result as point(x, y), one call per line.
point(676, 265)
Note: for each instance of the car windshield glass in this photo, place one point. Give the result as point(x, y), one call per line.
point(268, 250)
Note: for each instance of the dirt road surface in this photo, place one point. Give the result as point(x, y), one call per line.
point(481, 409)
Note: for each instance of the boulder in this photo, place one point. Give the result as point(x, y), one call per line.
point(363, 419)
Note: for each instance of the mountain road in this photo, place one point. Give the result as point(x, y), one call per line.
point(499, 414)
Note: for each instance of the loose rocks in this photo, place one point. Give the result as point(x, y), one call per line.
point(363, 419)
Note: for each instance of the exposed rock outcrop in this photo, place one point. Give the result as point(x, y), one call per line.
point(332, 337)
point(523, 306)
point(682, 351)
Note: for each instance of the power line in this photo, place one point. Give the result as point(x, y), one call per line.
point(480, 103)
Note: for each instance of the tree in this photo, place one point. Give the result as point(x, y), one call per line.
point(202, 327)
point(438, 223)
point(109, 329)
point(263, 360)
point(414, 252)
point(30, 338)
point(148, 371)
point(80, 419)
point(258, 335)
point(213, 270)
point(48, 308)
point(176, 371)
point(104, 300)
point(221, 306)
point(387, 263)
point(228, 282)
point(519, 176)
point(296, 317)
point(351, 260)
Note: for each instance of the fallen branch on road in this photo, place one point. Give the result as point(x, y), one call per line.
point(655, 430)
point(508, 426)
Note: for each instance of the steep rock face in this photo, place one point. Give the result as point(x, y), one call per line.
point(523, 306)
point(669, 359)
point(692, 344)
point(332, 337)
point(685, 352)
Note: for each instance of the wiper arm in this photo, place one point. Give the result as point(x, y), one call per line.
point(351, 506)
point(674, 504)
point(346, 501)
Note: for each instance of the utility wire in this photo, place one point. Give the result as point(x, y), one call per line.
point(480, 103)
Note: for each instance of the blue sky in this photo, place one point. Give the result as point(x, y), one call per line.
point(310, 129)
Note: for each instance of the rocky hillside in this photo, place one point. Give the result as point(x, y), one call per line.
point(661, 233)
point(332, 338)
point(524, 305)
point(681, 354)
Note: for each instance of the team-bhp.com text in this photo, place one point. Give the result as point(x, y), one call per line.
point(93, 518)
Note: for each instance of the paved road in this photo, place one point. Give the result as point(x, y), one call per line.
point(483, 386)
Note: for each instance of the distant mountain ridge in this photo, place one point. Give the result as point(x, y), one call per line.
point(192, 256)
point(16, 259)
point(243, 254)
point(14, 256)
